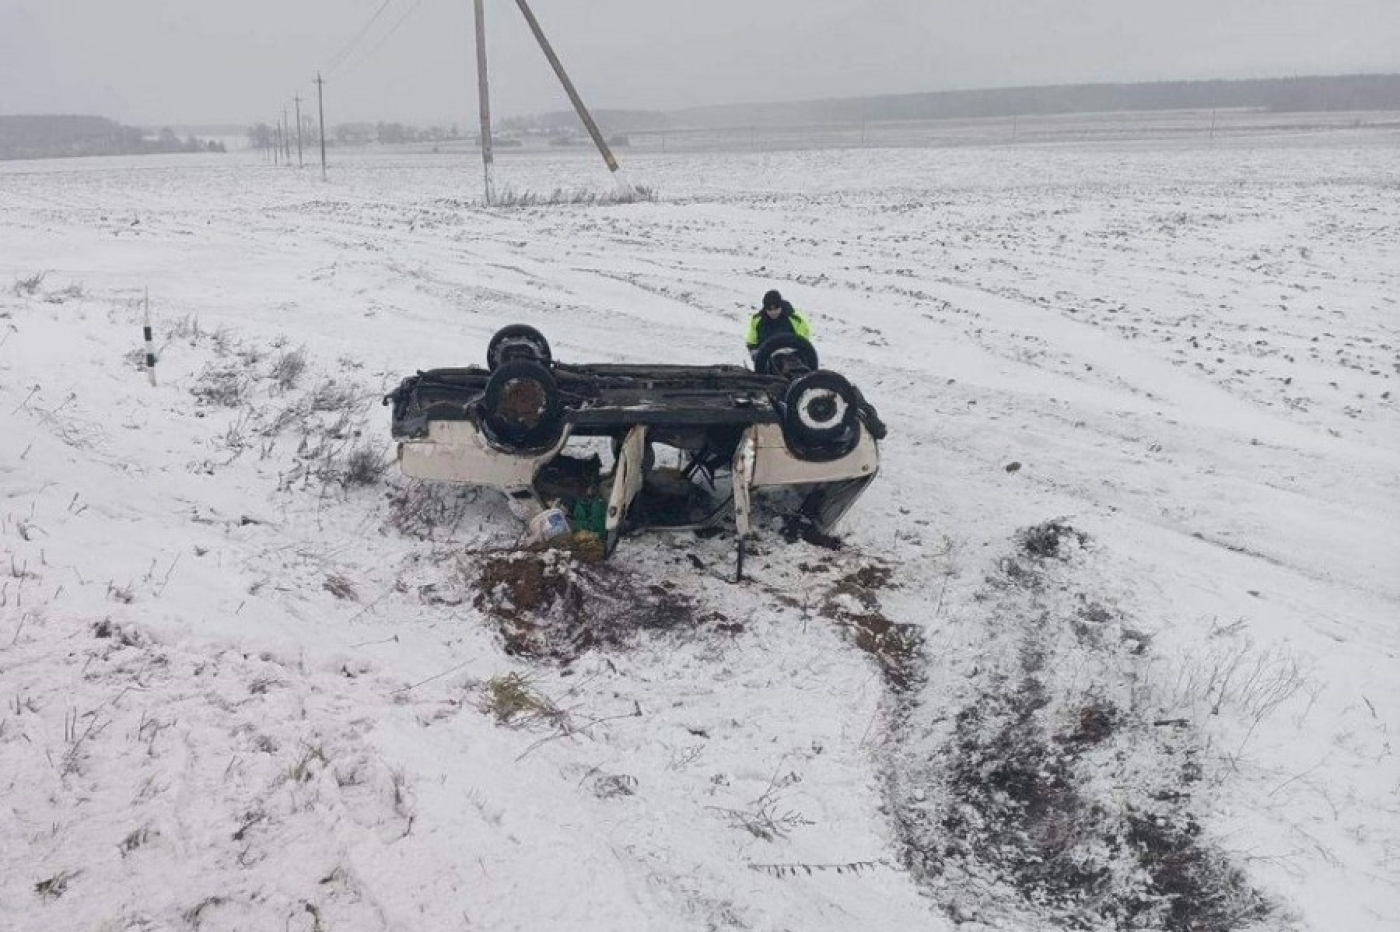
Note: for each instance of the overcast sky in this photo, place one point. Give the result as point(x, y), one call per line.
point(207, 61)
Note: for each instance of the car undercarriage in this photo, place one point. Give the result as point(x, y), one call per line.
point(541, 431)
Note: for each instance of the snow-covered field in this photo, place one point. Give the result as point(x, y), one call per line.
point(1112, 641)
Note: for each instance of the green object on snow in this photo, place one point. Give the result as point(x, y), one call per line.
point(590, 514)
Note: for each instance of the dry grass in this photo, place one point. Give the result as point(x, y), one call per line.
point(54, 887)
point(364, 465)
point(223, 386)
point(28, 286)
point(287, 368)
point(70, 292)
point(766, 818)
point(423, 510)
point(186, 329)
point(330, 395)
point(307, 764)
point(513, 700)
point(340, 587)
point(576, 196)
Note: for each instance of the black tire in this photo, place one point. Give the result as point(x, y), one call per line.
point(786, 354)
point(821, 413)
point(518, 341)
point(521, 406)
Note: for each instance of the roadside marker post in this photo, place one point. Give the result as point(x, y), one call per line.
point(150, 346)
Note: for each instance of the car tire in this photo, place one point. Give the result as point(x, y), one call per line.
point(821, 416)
point(518, 341)
point(785, 352)
point(521, 406)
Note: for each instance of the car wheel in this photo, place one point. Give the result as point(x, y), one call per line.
point(787, 355)
point(521, 406)
point(820, 415)
point(518, 341)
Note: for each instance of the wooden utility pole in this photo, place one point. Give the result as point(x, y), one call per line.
point(574, 98)
point(484, 102)
point(300, 162)
point(321, 116)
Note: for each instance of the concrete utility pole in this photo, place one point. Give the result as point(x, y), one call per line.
point(321, 115)
point(300, 163)
point(484, 102)
point(577, 101)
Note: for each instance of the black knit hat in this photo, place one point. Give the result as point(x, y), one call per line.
point(772, 299)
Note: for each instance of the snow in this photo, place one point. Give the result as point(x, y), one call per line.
point(242, 691)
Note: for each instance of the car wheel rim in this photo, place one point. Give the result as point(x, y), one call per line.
point(821, 409)
point(519, 349)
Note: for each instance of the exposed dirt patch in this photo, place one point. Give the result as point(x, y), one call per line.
point(853, 601)
point(1063, 800)
point(1018, 807)
point(551, 604)
point(1194, 889)
point(1022, 807)
point(865, 581)
point(1048, 540)
point(798, 528)
point(1094, 724)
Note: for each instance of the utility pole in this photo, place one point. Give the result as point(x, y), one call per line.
point(286, 138)
point(321, 113)
point(577, 101)
point(484, 102)
point(300, 163)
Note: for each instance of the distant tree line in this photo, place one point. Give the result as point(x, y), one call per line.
point(1307, 94)
point(262, 135)
point(46, 137)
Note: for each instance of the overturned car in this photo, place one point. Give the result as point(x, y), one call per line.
point(785, 425)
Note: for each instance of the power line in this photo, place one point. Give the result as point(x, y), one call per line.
point(388, 35)
point(344, 54)
point(340, 56)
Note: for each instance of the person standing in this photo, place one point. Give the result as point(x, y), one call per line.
point(777, 316)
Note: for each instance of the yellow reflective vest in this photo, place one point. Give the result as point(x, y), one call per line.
point(790, 321)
